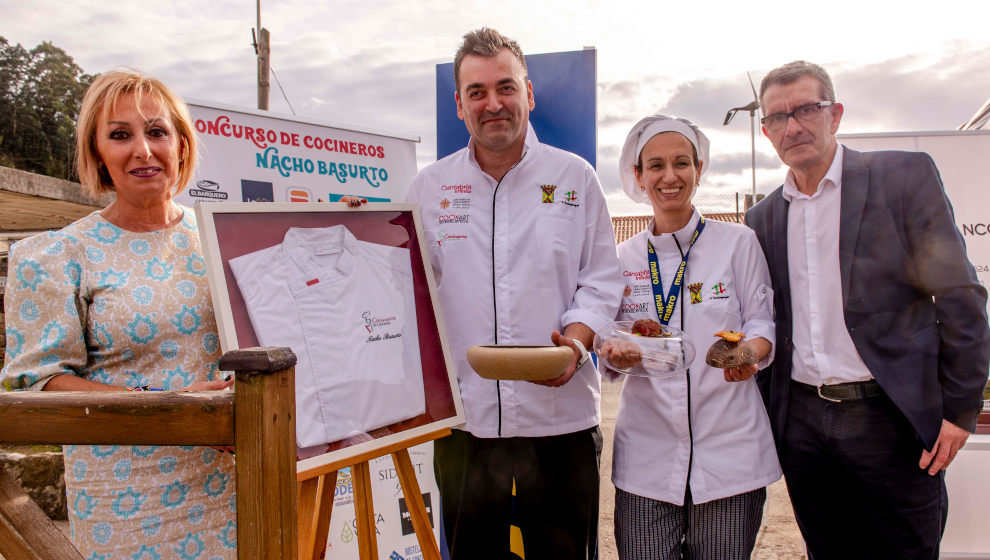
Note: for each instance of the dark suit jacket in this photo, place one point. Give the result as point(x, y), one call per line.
point(911, 299)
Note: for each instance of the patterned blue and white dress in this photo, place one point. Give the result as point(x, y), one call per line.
point(125, 309)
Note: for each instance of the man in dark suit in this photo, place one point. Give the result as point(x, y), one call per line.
point(882, 338)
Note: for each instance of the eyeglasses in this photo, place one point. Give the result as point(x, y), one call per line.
point(803, 114)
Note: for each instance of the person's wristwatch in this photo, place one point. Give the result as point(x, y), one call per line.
point(584, 354)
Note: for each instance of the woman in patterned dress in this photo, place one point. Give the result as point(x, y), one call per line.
point(119, 301)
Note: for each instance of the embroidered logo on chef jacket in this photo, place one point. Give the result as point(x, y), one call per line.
point(570, 199)
point(445, 203)
point(627, 292)
point(695, 290)
point(548, 193)
point(444, 237)
point(455, 189)
point(453, 218)
point(640, 307)
point(373, 322)
point(719, 291)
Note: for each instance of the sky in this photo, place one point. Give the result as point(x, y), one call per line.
point(904, 66)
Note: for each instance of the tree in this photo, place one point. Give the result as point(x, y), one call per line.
point(41, 91)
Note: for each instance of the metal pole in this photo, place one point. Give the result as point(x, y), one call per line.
point(752, 141)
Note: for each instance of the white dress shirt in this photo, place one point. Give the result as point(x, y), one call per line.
point(824, 352)
point(347, 310)
point(515, 260)
point(721, 442)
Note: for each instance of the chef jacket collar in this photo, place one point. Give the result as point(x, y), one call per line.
point(332, 238)
point(529, 143)
point(683, 235)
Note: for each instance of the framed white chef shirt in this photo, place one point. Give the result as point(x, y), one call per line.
point(350, 291)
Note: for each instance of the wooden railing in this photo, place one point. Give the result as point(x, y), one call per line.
point(257, 418)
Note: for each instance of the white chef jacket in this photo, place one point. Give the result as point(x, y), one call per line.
point(515, 260)
point(347, 310)
point(726, 428)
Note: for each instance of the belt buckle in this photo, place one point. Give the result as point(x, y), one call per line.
point(820, 394)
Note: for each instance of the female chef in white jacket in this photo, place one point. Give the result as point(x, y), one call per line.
point(694, 452)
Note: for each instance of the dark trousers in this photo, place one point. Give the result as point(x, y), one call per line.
point(556, 478)
point(853, 477)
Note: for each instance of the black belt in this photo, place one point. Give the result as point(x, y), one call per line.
point(844, 391)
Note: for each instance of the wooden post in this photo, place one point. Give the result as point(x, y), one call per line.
point(25, 532)
point(264, 66)
point(265, 436)
point(364, 510)
point(415, 505)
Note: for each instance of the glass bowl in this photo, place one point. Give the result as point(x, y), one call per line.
point(664, 356)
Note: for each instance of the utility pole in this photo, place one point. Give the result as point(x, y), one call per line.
point(263, 49)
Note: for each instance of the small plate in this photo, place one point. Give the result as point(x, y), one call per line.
point(519, 363)
point(662, 356)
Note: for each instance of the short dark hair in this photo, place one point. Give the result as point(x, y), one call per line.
point(485, 42)
point(793, 71)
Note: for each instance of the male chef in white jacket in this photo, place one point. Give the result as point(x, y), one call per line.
point(523, 250)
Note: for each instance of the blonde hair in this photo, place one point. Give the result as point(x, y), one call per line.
point(101, 98)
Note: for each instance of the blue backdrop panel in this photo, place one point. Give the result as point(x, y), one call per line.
point(564, 86)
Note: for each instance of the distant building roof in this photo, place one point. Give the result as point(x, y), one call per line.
point(628, 226)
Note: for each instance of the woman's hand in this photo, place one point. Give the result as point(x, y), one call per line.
point(217, 385)
point(621, 353)
point(354, 201)
point(741, 373)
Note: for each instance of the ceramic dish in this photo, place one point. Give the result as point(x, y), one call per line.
point(661, 356)
point(515, 363)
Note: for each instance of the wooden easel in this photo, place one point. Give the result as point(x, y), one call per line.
point(316, 491)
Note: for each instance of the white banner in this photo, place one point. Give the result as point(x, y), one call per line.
point(963, 160)
point(256, 156)
point(396, 538)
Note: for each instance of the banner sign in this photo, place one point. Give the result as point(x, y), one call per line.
point(257, 156)
point(393, 526)
point(961, 157)
point(565, 89)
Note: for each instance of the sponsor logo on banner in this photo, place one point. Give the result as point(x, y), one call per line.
point(443, 237)
point(641, 307)
point(456, 189)
point(719, 291)
point(637, 274)
point(976, 229)
point(257, 191)
point(395, 556)
point(695, 290)
point(208, 189)
point(453, 218)
point(548, 193)
point(406, 519)
point(343, 493)
point(299, 194)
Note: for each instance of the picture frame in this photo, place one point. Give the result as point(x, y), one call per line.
point(240, 231)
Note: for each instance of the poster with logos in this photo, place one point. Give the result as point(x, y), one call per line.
point(259, 156)
point(393, 526)
point(961, 157)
